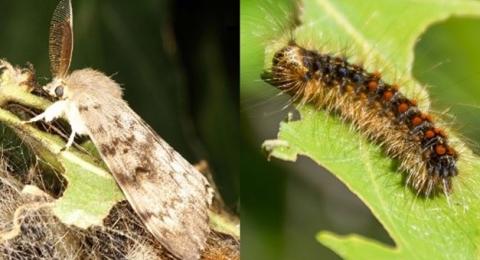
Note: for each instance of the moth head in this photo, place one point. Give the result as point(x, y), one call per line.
point(57, 88)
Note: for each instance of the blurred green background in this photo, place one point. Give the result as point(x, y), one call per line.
point(176, 60)
point(285, 204)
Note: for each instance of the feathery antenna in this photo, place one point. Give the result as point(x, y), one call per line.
point(61, 39)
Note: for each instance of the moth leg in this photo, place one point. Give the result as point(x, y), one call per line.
point(36, 118)
point(70, 141)
point(53, 111)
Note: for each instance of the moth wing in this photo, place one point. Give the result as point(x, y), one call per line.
point(169, 195)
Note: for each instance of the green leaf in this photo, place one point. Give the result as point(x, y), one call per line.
point(90, 194)
point(381, 34)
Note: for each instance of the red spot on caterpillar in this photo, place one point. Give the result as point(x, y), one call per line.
point(416, 121)
point(429, 134)
point(440, 149)
point(402, 108)
point(387, 95)
point(372, 85)
point(427, 117)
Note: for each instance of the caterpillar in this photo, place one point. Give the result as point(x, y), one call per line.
point(374, 107)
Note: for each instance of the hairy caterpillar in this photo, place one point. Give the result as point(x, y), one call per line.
point(377, 109)
point(170, 196)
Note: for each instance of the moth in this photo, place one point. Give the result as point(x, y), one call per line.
point(170, 196)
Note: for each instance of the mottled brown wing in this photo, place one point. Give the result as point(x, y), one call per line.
point(61, 39)
point(167, 192)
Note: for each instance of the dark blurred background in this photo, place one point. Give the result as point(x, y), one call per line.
point(176, 60)
point(284, 204)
